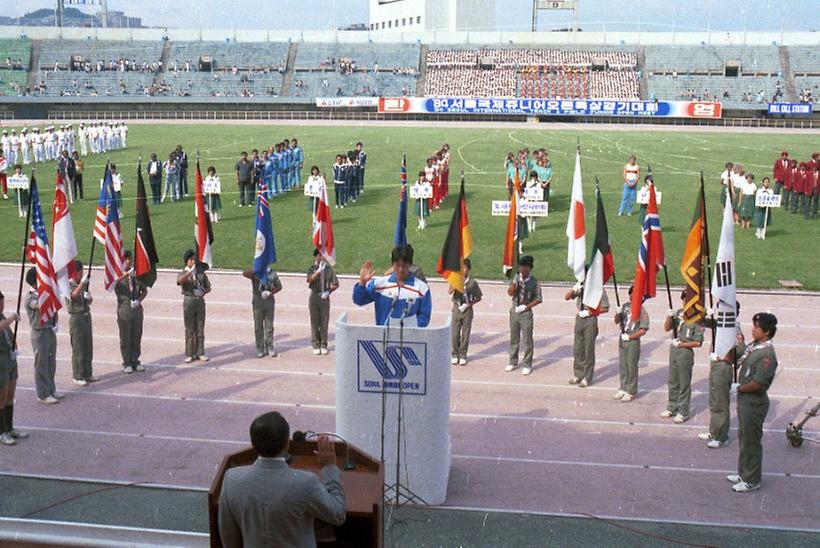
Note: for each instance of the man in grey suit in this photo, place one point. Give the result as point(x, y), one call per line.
point(270, 504)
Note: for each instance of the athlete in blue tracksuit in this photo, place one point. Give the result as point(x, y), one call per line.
point(353, 176)
point(298, 162)
point(276, 157)
point(362, 164)
point(269, 175)
point(339, 181)
point(399, 295)
point(284, 167)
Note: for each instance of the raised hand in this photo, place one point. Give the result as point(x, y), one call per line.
point(366, 273)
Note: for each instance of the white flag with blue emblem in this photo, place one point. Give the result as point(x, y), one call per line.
point(724, 286)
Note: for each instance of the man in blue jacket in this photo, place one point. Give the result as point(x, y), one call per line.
point(398, 296)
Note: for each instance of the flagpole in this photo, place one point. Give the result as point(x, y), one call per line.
point(22, 269)
point(669, 296)
point(708, 255)
point(93, 237)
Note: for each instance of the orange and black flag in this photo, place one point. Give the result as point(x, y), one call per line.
point(695, 258)
point(510, 259)
point(457, 246)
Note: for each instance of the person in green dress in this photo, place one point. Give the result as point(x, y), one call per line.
point(747, 201)
point(759, 219)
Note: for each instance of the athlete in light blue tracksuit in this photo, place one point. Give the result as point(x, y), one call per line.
point(276, 162)
point(287, 160)
point(362, 164)
point(298, 162)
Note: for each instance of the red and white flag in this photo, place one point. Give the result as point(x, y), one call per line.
point(323, 230)
point(62, 237)
point(576, 227)
point(203, 232)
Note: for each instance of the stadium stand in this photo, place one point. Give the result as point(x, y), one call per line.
point(306, 70)
point(533, 72)
point(14, 62)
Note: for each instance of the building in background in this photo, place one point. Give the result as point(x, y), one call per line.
point(431, 15)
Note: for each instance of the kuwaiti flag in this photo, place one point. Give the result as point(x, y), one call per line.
point(47, 291)
point(695, 258)
point(576, 227)
point(145, 251)
point(62, 236)
point(602, 265)
point(265, 251)
point(323, 230)
point(400, 236)
point(458, 245)
point(203, 232)
point(511, 237)
point(724, 286)
point(650, 257)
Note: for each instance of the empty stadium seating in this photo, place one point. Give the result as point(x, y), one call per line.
point(367, 56)
point(225, 55)
point(14, 61)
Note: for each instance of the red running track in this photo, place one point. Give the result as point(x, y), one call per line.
point(530, 444)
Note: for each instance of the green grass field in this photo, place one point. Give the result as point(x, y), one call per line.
point(365, 230)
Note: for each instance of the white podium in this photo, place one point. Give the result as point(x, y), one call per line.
point(370, 358)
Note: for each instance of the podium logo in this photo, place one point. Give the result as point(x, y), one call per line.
point(389, 367)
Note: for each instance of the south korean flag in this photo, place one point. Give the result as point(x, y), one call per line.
point(724, 286)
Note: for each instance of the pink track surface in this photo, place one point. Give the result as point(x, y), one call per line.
point(532, 444)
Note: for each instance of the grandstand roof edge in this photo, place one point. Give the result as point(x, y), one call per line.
point(430, 37)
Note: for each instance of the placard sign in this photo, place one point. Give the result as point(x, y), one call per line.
point(421, 192)
point(534, 194)
point(313, 188)
point(501, 208)
point(212, 185)
point(764, 199)
point(18, 182)
point(643, 196)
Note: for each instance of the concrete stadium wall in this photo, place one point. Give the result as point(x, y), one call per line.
point(432, 37)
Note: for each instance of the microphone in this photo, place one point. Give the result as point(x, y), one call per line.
point(300, 436)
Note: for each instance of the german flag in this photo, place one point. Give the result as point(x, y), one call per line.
point(695, 256)
point(457, 246)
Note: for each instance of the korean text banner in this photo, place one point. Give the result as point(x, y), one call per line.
point(346, 102)
point(549, 107)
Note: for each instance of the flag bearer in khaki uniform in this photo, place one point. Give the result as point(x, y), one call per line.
point(720, 381)
point(586, 331)
point(629, 349)
point(8, 378)
point(462, 322)
point(757, 368)
point(44, 344)
point(78, 306)
point(130, 292)
point(264, 308)
point(526, 295)
point(322, 281)
point(195, 285)
point(681, 361)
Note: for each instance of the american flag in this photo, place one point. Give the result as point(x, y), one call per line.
point(650, 257)
point(114, 250)
point(47, 298)
point(106, 191)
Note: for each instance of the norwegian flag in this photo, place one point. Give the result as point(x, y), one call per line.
point(323, 230)
point(62, 235)
point(114, 250)
point(650, 257)
point(47, 291)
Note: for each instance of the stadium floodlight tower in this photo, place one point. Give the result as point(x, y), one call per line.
point(60, 10)
point(550, 5)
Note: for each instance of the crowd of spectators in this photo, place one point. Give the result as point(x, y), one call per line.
point(471, 82)
point(120, 65)
point(13, 64)
point(523, 57)
point(805, 96)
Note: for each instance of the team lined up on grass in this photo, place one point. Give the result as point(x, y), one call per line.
point(750, 366)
